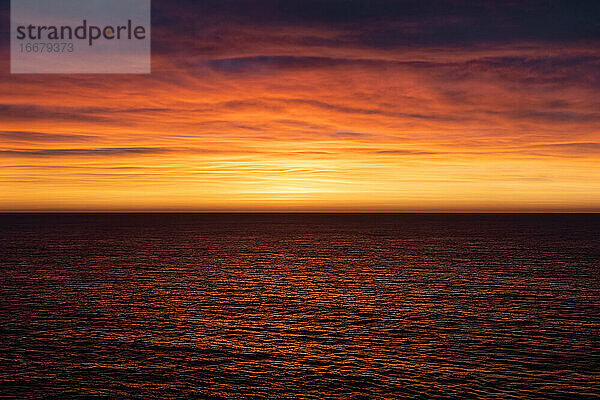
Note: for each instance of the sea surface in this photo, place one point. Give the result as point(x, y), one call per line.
point(299, 306)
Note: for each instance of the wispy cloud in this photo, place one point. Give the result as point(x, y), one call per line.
point(43, 137)
point(405, 152)
point(353, 135)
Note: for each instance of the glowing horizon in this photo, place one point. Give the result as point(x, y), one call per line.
point(308, 115)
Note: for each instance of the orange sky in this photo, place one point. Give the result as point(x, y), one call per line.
point(274, 122)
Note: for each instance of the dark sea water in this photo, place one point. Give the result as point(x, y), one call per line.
point(286, 306)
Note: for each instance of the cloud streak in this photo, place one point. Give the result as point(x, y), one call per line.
point(126, 151)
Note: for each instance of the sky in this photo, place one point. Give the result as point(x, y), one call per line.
point(319, 105)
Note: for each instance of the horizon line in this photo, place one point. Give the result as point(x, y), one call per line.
point(5, 212)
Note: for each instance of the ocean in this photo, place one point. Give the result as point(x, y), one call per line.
point(299, 306)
